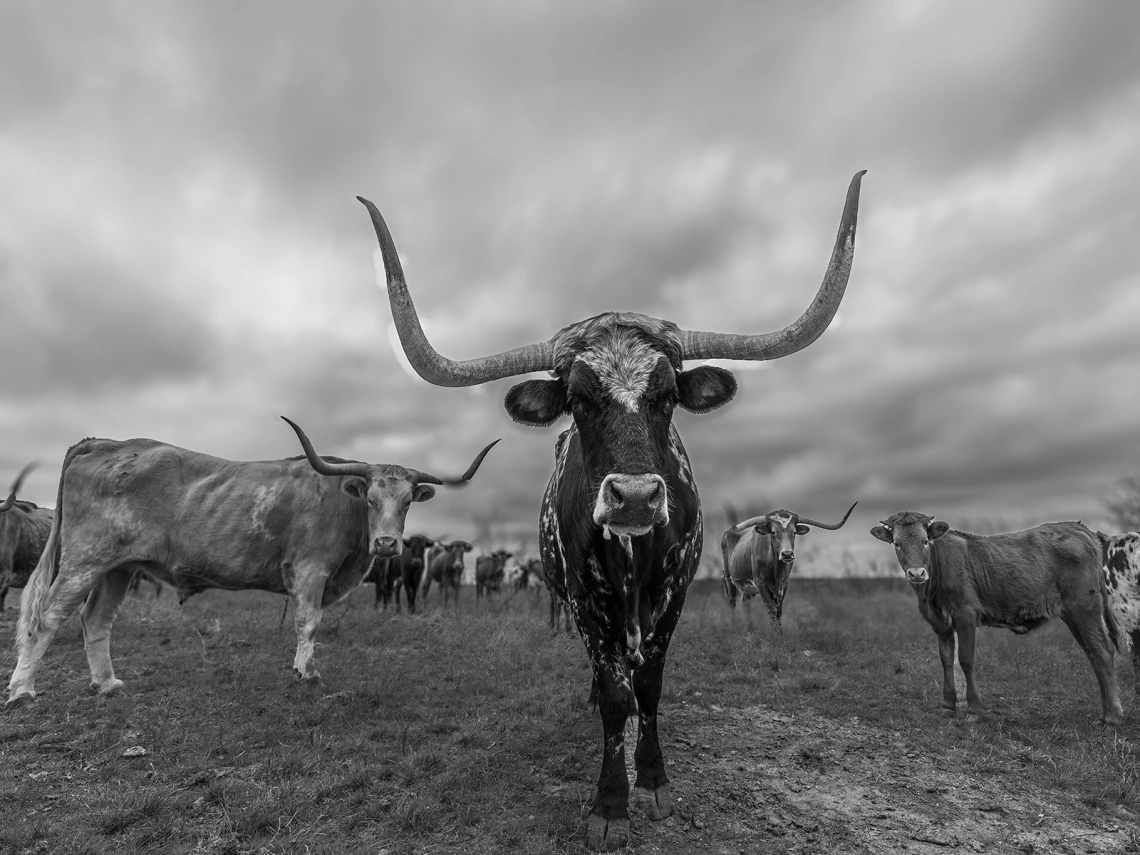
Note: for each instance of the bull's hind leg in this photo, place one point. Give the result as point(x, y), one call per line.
point(1092, 635)
point(651, 787)
point(1135, 637)
point(70, 588)
point(97, 616)
point(946, 654)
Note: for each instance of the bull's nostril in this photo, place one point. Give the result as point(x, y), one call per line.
point(615, 497)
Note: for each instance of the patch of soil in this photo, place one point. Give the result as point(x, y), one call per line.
point(753, 780)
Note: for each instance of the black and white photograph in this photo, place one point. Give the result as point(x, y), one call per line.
point(432, 427)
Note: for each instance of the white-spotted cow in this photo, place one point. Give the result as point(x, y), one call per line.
point(620, 524)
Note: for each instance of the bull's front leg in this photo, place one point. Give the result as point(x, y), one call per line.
point(308, 591)
point(608, 825)
point(651, 787)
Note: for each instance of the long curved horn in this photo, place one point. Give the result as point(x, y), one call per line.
point(425, 478)
point(751, 521)
point(839, 524)
point(323, 466)
point(429, 364)
point(807, 327)
point(11, 500)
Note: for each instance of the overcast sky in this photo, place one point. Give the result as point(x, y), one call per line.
point(182, 256)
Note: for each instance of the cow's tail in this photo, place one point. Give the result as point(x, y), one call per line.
point(36, 591)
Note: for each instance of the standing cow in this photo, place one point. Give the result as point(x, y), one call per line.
point(1018, 581)
point(307, 527)
point(384, 577)
point(409, 569)
point(759, 554)
point(445, 568)
point(620, 523)
point(490, 570)
point(1121, 556)
point(24, 530)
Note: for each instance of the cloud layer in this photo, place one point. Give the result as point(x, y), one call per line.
point(181, 255)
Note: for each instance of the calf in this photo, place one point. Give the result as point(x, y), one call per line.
point(1018, 581)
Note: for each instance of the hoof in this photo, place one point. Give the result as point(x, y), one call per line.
point(976, 714)
point(311, 677)
point(657, 804)
point(606, 835)
point(948, 712)
point(108, 689)
point(23, 699)
point(1112, 722)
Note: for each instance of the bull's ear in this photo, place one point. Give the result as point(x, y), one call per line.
point(537, 403)
point(882, 533)
point(355, 487)
point(467, 547)
point(937, 528)
point(423, 492)
point(705, 388)
point(802, 529)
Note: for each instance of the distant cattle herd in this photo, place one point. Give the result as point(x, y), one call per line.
point(620, 529)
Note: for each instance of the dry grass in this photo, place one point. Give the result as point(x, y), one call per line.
point(468, 732)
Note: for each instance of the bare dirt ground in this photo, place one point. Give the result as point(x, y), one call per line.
point(468, 732)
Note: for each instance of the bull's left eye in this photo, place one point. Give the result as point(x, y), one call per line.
point(372, 503)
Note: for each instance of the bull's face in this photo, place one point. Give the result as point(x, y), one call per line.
point(911, 534)
point(414, 549)
point(621, 383)
point(389, 495)
point(455, 552)
point(782, 527)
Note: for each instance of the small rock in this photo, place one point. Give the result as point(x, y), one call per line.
point(135, 751)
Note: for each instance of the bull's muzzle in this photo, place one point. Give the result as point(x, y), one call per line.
point(787, 555)
point(631, 504)
point(386, 547)
point(917, 575)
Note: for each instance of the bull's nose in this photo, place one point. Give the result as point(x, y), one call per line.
point(631, 504)
point(386, 545)
point(787, 555)
point(632, 492)
point(916, 575)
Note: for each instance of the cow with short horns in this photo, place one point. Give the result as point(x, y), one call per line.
point(308, 527)
point(620, 524)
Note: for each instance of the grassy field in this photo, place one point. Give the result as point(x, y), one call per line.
point(468, 732)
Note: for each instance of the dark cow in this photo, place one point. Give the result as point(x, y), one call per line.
point(620, 524)
point(528, 572)
point(384, 577)
point(408, 569)
point(24, 530)
point(307, 527)
point(1121, 556)
point(759, 554)
point(1018, 581)
point(490, 570)
point(445, 568)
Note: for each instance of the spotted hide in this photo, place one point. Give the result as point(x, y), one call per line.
point(1017, 581)
point(1121, 556)
point(198, 521)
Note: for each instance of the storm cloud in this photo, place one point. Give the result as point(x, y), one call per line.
point(182, 255)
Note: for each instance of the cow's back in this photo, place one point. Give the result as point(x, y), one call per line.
point(1018, 579)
